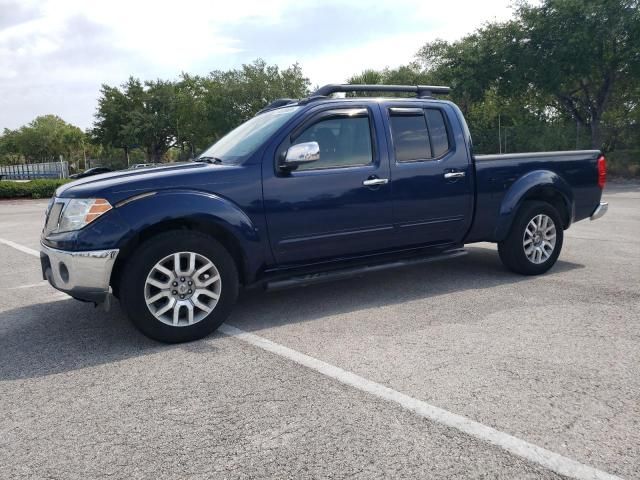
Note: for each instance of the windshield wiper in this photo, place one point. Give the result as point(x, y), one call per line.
point(214, 160)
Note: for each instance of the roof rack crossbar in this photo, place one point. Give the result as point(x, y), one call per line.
point(280, 102)
point(419, 90)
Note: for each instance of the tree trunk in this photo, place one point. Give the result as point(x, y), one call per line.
point(156, 156)
point(596, 134)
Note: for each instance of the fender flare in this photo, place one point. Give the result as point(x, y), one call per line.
point(535, 184)
point(195, 208)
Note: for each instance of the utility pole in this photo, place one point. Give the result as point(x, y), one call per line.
point(499, 135)
point(505, 139)
point(84, 155)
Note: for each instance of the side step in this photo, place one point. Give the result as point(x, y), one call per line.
point(303, 280)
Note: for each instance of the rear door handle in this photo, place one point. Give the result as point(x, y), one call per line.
point(454, 175)
point(371, 182)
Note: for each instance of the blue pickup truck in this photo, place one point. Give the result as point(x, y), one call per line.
point(306, 191)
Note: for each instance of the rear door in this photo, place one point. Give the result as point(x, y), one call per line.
point(340, 205)
point(432, 187)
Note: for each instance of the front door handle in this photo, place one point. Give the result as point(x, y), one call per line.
point(372, 182)
point(449, 175)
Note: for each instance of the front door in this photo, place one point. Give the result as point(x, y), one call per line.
point(339, 205)
point(432, 176)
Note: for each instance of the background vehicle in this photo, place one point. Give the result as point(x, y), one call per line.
point(91, 171)
point(142, 165)
point(307, 191)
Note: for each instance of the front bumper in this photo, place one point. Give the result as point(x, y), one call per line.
point(600, 211)
point(83, 275)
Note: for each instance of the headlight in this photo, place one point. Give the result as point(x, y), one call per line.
point(80, 212)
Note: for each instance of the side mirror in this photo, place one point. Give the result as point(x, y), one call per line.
point(300, 154)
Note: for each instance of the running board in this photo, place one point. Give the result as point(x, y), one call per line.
point(304, 280)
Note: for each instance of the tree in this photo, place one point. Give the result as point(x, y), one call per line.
point(192, 112)
point(111, 118)
point(234, 96)
point(45, 139)
point(580, 51)
point(138, 115)
point(192, 122)
point(404, 75)
point(573, 55)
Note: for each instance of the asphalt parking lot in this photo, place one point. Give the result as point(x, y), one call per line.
point(553, 361)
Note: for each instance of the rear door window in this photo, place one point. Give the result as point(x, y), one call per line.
point(437, 132)
point(410, 137)
point(418, 134)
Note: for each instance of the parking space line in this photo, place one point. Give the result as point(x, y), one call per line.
point(30, 285)
point(516, 446)
point(22, 248)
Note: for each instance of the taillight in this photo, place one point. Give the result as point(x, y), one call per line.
point(602, 171)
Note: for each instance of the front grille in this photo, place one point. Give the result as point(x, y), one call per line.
point(54, 216)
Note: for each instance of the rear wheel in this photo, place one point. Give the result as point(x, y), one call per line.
point(179, 286)
point(535, 240)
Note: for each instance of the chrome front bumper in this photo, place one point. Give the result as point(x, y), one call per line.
point(83, 275)
point(600, 211)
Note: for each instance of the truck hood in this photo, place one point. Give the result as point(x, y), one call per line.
point(117, 186)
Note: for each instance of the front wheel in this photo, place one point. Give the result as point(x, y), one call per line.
point(535, 240)
point(179, 286)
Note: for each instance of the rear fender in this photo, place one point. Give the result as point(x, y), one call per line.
point(536, 185)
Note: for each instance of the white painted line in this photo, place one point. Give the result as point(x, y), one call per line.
point(35, 253)
point(31, 285)
point(22, 248)
point(521, 448)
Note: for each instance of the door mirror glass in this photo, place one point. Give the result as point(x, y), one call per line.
point(301, 154)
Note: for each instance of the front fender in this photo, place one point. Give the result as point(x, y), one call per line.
point(188, 204)
point(531, 185)
point(121, 228)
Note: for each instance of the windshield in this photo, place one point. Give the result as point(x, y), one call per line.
point(242, 141)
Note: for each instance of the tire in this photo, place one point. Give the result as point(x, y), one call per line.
point(145, 272)
point(516, 249)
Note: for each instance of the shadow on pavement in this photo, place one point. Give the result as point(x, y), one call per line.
point(481, 269)
point(60, 336)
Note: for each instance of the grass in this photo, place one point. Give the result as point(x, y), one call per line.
point(624, 163)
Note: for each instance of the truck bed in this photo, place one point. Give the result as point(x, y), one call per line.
point(500, 177)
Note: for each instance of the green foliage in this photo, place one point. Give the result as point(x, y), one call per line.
point(192, 112)
point(580, 52)
point(30, 189)
point(562, 74)
point(138, 115)
point(624, 163)
point(45, 139)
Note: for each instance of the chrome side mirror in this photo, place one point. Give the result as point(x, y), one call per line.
point(301, 153)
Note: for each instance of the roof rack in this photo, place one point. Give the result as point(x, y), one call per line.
point(421, 91)
point(280, 102)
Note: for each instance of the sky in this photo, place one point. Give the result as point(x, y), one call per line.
point(55, 54)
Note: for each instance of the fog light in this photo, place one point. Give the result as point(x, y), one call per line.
point(64, 272)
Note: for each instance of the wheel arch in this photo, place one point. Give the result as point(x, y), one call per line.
point(541, 185)
point(207, 214)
